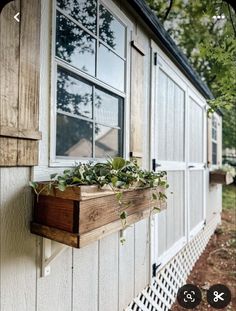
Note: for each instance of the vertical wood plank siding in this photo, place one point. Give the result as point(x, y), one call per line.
point(17, 245)
point(19, 62)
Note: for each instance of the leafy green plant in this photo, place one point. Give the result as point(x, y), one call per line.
point(117, 173)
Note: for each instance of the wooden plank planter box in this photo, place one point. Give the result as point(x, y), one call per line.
point(81, 215)
point(220, 177)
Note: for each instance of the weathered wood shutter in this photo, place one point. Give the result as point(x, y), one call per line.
point(19, 83)
point(137, 100)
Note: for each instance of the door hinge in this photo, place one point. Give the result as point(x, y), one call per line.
point(155, 165)
point(154, 269)
point(155, 58)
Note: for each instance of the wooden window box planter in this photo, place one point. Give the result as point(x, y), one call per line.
point(220, 177)
point(81, 215)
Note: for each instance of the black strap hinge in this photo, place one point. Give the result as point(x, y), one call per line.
point(154, 269)
point(155, 58)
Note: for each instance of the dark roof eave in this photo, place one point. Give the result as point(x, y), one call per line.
point(177, 55)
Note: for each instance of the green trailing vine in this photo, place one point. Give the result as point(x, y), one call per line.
point(116, 173)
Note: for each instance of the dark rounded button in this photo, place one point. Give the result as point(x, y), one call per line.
point(189, 296)
point(218, 296)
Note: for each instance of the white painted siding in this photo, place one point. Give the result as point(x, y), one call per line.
point(85, 278)
point(17, 245)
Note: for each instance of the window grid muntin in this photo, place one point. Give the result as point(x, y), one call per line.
point(92, 120)
point(59, 62)
point(118, 20)
point(91, 79)
point(95, 36)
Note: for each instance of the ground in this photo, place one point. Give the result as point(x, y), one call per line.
point(217, 264)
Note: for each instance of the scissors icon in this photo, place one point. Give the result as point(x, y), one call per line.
point(218, 296)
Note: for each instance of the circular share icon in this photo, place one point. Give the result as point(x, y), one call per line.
point(189, 296)
point(218, 296)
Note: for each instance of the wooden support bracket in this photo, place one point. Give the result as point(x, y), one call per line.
point(48, 257)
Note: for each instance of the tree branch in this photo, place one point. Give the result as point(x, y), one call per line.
point(231, 19)
point(232, 3)
point(168, 10)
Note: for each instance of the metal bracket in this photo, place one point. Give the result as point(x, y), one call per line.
point(48, 257)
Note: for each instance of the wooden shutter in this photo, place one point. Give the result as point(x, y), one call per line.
point(137, 100)
point(19, 89)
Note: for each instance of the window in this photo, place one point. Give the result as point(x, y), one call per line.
point(214, 140)
point(90, 60)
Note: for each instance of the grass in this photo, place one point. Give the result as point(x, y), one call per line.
point(229, 197)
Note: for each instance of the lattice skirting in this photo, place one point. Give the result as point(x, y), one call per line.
point(161, 294)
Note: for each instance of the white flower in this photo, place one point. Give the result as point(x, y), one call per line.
point(114, 172)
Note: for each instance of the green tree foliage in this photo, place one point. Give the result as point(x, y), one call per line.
point(206, 32)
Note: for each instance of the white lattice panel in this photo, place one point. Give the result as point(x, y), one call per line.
point(161, 294)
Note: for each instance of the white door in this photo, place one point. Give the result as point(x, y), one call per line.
point(196, 163)
point(177, 139)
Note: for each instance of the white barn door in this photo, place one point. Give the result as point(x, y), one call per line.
point(196, 163)
point(177, 140)
point(169, 231)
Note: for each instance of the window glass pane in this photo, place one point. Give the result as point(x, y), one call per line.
point(214, 134)
point(108, 108)
point(73, 94)
point(214, 153)
point(108, 142)
point(74, 45)
point(111, 68)
point(111, 31)
point(84, 11)
point(74, 137)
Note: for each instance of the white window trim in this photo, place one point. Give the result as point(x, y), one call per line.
point(63, 163)
point(214, 165)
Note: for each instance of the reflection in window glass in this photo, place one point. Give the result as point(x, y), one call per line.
point(74, 45)
point(214, 128)
point(74, 137)
point(214, 153)
point(108, 108)
point(73, 94)
point(111, 31)
point(84, 11)
point(108, 142)
point(111, 68)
